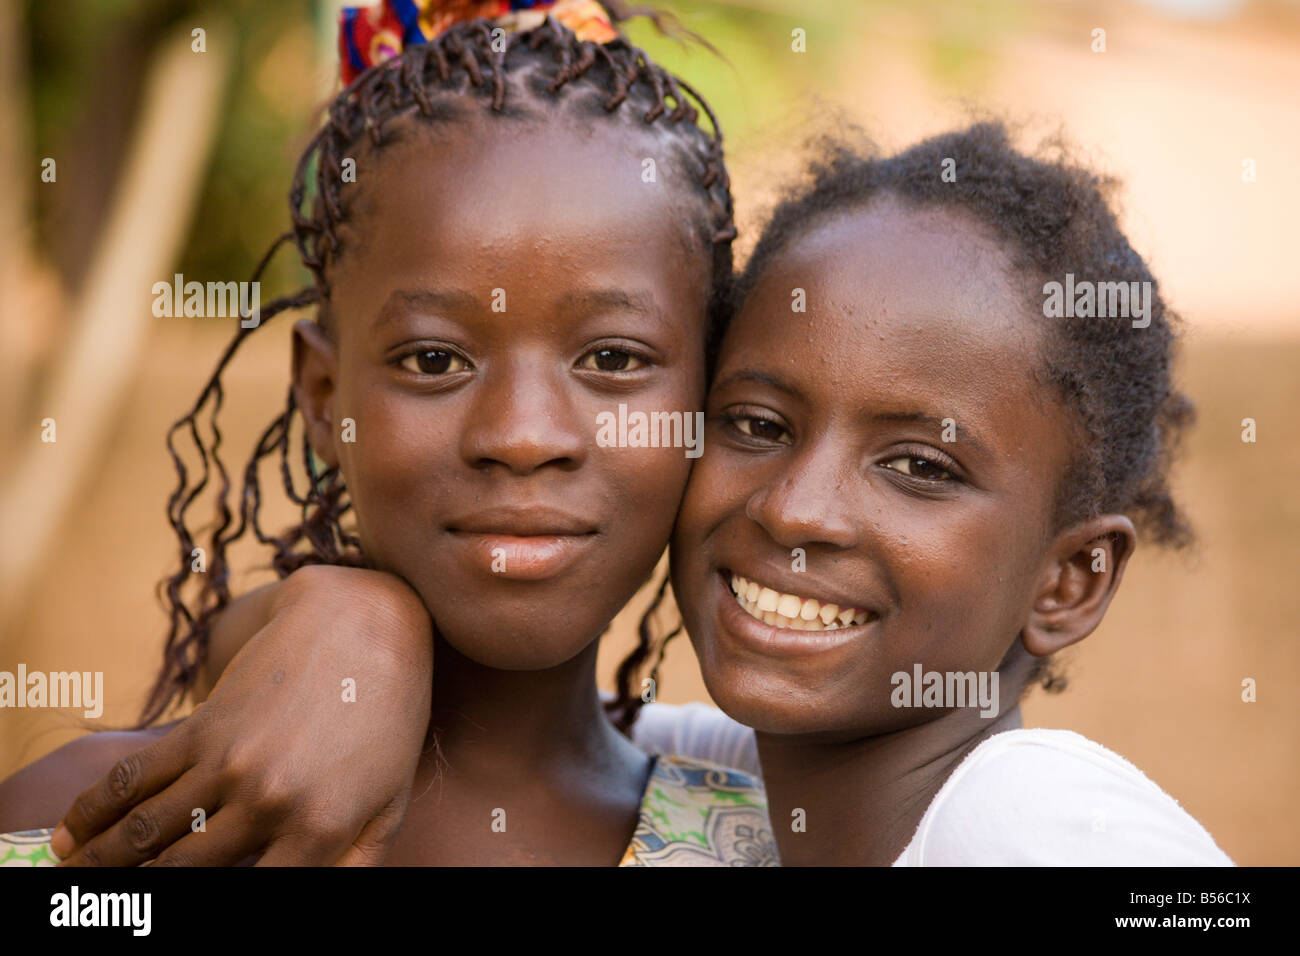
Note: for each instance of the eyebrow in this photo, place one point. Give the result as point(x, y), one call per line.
point(401, 301)
point(921, 418)
point(457, 300)
point(612, 300)
point(759, 378)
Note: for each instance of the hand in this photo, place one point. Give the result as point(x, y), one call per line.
point(281, 763)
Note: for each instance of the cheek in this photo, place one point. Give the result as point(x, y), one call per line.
point(718, 488)
point(713, 509)
point(647, 486)
point(962, 588)
point(396, 467)
point(650, 483)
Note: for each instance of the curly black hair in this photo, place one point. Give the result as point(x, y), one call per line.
point(1054, 217)
point(537, 74)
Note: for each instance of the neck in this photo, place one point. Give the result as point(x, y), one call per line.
point(521, 724)
point(520, 768)
point(863, 798)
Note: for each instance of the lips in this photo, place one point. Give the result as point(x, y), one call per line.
point(522, 523)
point(523, 544)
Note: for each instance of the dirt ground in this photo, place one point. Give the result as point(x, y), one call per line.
point(1160, 682)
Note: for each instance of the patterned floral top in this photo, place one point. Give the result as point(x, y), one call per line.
point(28, 848)
point(692, 814)
point(699, 814)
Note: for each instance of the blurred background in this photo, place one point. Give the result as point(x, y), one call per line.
point(169, 160)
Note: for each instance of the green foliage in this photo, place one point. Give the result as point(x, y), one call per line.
point(86, 73)
point(85, 78)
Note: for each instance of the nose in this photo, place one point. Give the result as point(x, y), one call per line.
point(808, 501)
point(522, 421)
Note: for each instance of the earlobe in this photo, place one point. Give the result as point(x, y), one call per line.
point(315, 374)
point(1080, 575)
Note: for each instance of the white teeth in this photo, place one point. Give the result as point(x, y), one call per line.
point(792, 611)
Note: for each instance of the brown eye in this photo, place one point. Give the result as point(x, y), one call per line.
point(915, 466)
point(763, 429)
point(434, 362)
point(610, 360)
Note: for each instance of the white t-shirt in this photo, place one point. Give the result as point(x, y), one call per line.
point(1021, 798)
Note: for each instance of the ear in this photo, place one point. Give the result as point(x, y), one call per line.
point(315, 376)
point(1080, 575)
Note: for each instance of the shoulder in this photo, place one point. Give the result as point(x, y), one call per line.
point(1054, 797)
point(41, 793)
point(696, 730)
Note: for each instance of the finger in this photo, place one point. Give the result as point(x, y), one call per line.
point(133, 778)
point(229, 836)
point(376, 838)
point(326, 845)
point(309, 839)
point(149, 827)
point(305, 849)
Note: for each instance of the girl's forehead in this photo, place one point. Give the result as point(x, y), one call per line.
point(892, 246)
point(890, 305)
point(527, 161)
point(890, 263)
point(514, 199)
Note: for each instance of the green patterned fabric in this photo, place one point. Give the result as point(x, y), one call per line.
point(28, 848)
point(697, 814)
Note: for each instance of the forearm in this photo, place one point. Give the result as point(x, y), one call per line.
point(376, 595)
point(231, 630)
point(300, 776)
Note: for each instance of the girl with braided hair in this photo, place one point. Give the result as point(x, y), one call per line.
point(498, 273)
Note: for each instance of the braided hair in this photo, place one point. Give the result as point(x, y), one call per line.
point(516, 76)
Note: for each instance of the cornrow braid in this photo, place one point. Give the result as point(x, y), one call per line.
point(432, 78)
point(546, 68)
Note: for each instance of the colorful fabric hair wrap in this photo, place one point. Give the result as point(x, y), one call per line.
point(370, 35)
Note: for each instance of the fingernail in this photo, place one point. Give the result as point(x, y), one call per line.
point(62, 844)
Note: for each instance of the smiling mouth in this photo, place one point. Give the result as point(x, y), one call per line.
point(792, 611)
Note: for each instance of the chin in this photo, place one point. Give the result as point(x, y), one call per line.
point(771, 704)
point(515, 644)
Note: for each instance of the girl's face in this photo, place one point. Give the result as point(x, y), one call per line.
point(888, 452)
point(496, 292)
